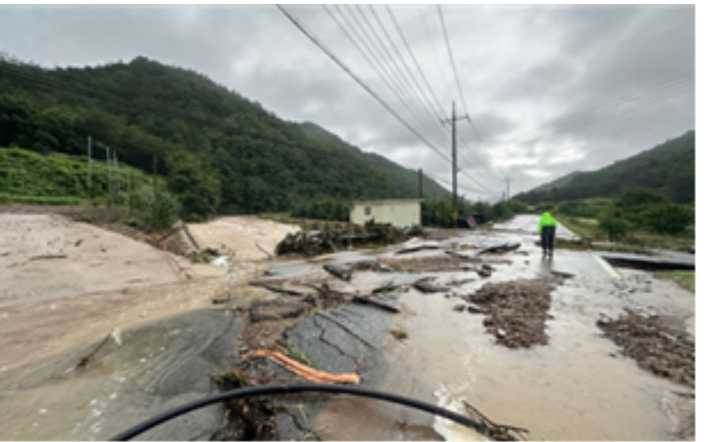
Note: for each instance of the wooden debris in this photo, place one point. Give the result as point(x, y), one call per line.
point(369, 300)
point(418, 247)
point(260, 248)
point(496, 431)
point(51, 256)
point(327, 291)
point(276, 289)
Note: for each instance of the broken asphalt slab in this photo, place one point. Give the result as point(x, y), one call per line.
point(157, 366)
point(347, 338)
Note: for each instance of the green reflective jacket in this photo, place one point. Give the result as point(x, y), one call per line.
point(546, 220)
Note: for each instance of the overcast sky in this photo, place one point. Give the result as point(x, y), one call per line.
point(621, 78)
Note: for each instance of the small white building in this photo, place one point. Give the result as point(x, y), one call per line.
point(399, 213)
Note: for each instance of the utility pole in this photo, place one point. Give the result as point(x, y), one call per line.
point(507, 187)
point(108, 172)
point(454, 169)
point(421, 185)
point(117, 179)
point(155, 173)
point(155, 187)
point(88, 161)
point(88, 174)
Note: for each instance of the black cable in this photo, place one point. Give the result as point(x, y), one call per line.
point(399, 76)
point(268, 390)
point(385, 76)
point(456, 74)
point(459, 137)
point(320, 45)
point(416, 62)
point(426, 104)
point(458, 82)
point(641, 94)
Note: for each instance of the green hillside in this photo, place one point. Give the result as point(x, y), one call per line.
point(218, 151)
point(406, 180)
point(31, 178)
point(559, 182)
point(668, 168)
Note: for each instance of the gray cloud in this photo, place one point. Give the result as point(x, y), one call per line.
point(521, 68)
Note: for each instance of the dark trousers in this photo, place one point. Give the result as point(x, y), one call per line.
point(547, 237)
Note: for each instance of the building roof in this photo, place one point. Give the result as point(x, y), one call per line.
point(387, 202)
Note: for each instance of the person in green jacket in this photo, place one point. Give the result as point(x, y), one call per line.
point(546, 229)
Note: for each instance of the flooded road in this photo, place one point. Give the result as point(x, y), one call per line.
point(579, 387)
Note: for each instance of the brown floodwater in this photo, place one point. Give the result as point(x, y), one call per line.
point(578, 387)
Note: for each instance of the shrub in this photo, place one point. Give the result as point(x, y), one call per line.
point(157, 211)
point(613, 224)
point(670, 219)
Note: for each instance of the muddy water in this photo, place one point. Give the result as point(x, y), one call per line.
point(576, 388)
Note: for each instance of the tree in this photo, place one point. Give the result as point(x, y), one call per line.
point(670, 219)
point(613, 224)
point(196, 185)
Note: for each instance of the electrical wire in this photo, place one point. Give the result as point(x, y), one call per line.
point(426, 104)
point(386, 77)
point(416, 62)
point(401, 79)
point(617, 103)
point(322, 46)
point(456, 74)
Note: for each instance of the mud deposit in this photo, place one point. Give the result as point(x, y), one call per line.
point(439, 263)
point(516, 311)
point(654, 344)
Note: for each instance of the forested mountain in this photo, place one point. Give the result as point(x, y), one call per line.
point(219, 151)
point(559, 182)
point(668, 168)
point(405, 180)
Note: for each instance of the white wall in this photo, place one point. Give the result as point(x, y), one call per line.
point(398, 213)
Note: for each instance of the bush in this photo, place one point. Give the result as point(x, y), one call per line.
point(157, 211)
point(613, 224)
point(672, 219)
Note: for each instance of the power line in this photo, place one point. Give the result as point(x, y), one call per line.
point(642, 105)
point(618, 102)
point(416, 62)
point(479, 191)
point(458, 82)
point(322, 46)
point(427, 105)
point(430, 107)
point(616, 107)
point(456, 74)
point(385, 76)
point(402, 80)
point(466, 152)
point(359, 48)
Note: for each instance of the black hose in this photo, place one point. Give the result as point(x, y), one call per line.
point(266, 390)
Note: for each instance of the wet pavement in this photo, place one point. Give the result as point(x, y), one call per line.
point(578, 387)
point(158, 366)
point(528, 224)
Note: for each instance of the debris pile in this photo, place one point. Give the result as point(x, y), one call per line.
point(327, 237)
point(515, 311)
point(448, 263)
point(248, 418)
point(654, 344)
